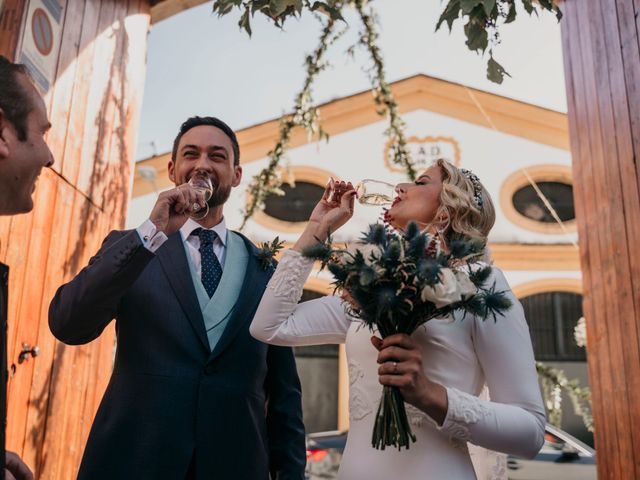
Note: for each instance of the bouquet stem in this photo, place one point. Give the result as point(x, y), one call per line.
point(392, 426)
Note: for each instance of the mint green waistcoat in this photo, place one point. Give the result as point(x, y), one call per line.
point(217, 310)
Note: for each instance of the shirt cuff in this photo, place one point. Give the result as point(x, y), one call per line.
point(152, 238)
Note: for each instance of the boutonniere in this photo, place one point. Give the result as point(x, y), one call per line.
point(267, 251)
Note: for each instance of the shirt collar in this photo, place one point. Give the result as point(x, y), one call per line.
point(190, 225)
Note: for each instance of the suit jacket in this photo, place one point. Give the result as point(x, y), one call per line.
point(4, 287)
point(234, 411)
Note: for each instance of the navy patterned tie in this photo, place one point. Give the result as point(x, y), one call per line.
point(211, 268)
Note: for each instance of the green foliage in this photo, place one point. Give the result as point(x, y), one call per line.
point(554, 382)
point(305, 115)
point(268, 251)
point(277, 11)
point(383, 96)
point(483, 21)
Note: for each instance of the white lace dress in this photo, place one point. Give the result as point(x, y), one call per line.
point(461, 354)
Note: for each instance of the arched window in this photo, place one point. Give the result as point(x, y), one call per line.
point(289, 212)
point(296, 204)
point(522, 204)
point(528, 203)
point(318, 371)
point(552, 317)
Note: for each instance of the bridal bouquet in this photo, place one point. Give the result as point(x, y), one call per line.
point(397, 282)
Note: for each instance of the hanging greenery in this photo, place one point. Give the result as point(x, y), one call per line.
point(554, 382)
point(484, 19)
point(305, 115)
point(383, 96)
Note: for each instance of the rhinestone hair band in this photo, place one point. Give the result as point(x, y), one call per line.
point(477, 188)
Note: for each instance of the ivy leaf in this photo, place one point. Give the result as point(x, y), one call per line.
point(488, 5)
point(323, 7)
point(222, 7)
point(450, 14)
point(495, 71)
point(528, 6)
point(511, 16)
point(245, 21)
point(278, 7)
point(468, 5)
point(477, 36)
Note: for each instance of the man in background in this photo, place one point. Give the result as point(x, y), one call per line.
point(23, 154)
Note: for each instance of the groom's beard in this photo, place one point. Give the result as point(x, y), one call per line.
point(220, 196)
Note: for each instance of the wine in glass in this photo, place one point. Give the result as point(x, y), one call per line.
point(375, 192)
point(201, 184)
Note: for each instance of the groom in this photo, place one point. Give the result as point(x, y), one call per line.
point(192, 394)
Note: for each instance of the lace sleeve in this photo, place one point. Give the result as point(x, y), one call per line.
point(513, 421)
point(280, 320)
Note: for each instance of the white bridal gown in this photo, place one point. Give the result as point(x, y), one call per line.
point(461, 354)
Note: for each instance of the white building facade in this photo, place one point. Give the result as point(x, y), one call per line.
point(508, 144)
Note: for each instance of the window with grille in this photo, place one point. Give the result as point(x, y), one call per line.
point(552, 317)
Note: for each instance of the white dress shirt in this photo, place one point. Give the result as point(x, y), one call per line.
point(152, 239)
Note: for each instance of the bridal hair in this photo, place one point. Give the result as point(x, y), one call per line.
point(466, 209)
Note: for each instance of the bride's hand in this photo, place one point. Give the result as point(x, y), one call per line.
point(332, 213)
point(401, 366)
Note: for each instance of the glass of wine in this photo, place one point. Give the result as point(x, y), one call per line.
point(201, 184)
point(375, 192)
point(368, 191)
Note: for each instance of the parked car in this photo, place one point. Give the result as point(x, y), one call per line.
point(562, 457)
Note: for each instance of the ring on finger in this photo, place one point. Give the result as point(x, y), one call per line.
point(395, 367)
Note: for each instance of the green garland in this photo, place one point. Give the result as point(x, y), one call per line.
point(305, 114)
point(483, 21)
point(554, 381)
point(382, 93)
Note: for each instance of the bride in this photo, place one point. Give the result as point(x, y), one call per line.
point(441, 369)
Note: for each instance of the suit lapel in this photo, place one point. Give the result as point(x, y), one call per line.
point(255, 281)
point(173, 259)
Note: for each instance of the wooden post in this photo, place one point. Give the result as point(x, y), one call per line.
point(94, 103)
point(602, 70)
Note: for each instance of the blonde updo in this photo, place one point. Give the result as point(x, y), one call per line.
point(463, 217)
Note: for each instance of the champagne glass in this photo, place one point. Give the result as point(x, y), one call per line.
point(201, 184)
point(375, 192)
point(368, 191)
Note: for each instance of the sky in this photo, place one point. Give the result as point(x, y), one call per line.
point(199, 64)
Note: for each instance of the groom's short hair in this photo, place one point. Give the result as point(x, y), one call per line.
point(212, 122)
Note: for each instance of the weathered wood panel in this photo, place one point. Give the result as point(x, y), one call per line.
point(94, 106)
point(602, 70)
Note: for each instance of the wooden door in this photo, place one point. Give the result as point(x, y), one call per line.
point(94, 103)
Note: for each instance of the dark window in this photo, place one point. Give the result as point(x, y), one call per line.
point(318, 370)
point(296, 204)
point(560, 195)
point(552, 318)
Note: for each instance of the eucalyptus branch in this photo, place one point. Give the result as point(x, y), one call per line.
point(383, 95)
point(305, 114)
point(554, 381)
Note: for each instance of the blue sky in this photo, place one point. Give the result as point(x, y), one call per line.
point(199, 64)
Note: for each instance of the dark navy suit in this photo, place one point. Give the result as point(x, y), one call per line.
point(172, 406)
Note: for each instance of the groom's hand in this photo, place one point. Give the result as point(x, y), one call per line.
point(173, 207)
